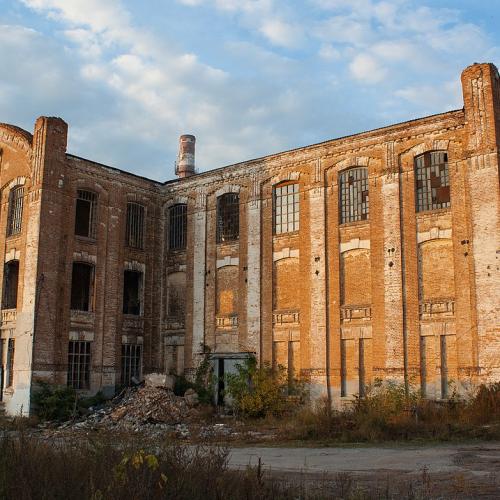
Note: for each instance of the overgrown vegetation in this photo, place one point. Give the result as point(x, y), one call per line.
point(260, 391)
point(54, 402)
point(388, 414)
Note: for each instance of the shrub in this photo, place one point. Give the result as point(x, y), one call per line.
point(54, 402)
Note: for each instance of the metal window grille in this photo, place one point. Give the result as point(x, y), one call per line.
point(86, 214)
point(10, 363)
point(10, 284)
point(81, 286)
point(286, 208)
point(135, 225)
point(131, 363)
point(79, 364)
point(177, 227)
point(353, 192)
point(228, 217)
point(132, 282)
point(432, 181)
point(15, 218)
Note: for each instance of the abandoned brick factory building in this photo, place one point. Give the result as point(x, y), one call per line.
point(373, 256)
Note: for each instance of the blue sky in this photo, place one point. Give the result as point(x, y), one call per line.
point(247, 77)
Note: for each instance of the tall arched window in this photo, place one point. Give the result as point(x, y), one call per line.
point(432, 181)
point(353, 195)
point(228, 217)
point(177, 226)
point(15, 217)
point(286, 207)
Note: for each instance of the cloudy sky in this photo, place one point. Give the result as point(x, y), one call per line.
point(247, 77)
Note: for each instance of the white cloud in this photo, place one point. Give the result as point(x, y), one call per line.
point(282, 33)
point(367, 69)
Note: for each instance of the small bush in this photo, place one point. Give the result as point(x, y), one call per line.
point(258, 392)
point(54, 402)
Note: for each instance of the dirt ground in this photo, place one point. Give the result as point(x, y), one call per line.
point(433, 471)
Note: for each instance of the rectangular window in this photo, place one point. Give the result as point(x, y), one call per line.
point(86, 214)
point(2, 367)
point(10, 364)
point(286, 208)
point(432, 181)
point(177, 227)
point(444, 368)
point(228, 217)
point(79, 364)
point(10, 284)
point(361, 362)
point(354, 198)
point(131, 363)
point(343, 368)
point(135, 225)
point(15, 217)
point(132, 285)
point(81, 286)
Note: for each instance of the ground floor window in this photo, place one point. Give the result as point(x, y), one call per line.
point(79, 364)
point(10, 364)
point(131, 363)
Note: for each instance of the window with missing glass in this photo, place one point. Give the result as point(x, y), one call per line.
point(286, 208)
point(135, 225)
point(177, 226)
point(353, 195)
point(432, 181)
point(10, 363)
point(79, 364)
point(228, 217)
point(86, 214)
point(131, 363)
point(82, 281)
point(15, 214)
point(10, 284)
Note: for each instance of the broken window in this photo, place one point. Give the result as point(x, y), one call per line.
point(10, 284)
point(9, 381)
point(86, 214)
point(15, 216)
point(177, 226)
point(79, 365)
point(432, 181)
point(132, 283)
point(286, 208)
point(131, 363)
point(353, 195)
point(81, 286)
point(228, 217)
point(135, 225)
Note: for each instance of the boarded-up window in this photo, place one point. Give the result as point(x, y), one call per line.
point(432, 181)
point(82, 286)
point(86, 214)
point(286, 291)
point(176, 296)
point(10, 284)
point(79, 365)
point(15, 217)
point(135, 225)
point(436, 270)
point(228, 217)
point(132, 291)
point(353, 195)
point(227, 290)
point(355, 272)
point(177, 226)
point(286, 208)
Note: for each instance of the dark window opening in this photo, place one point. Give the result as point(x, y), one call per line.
point(353, 195)
point(79, 364)
point(86, 214)
point(343, 368)
point(2, 368)
point(132, 282)
point(228, 217)
point(10, 284)
point(286, 208)
point(432, 181)
point(135, 225)
point(361, 362)
point(131, 363)
point(81, 286)
point(10, 363)
point(15, 217)
point(177, 227)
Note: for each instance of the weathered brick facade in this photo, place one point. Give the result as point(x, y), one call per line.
point(342, 292)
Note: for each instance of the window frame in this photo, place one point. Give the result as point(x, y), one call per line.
point(228, 218)
point(6, 301)
point(281, 227)
point(9, 364)
point(140, 292)
point(177, 227)
point(91, 286)
point(131, 363)
point(426, 194)
point(15, 210)
point(354, 202)
point(135, 227)
point(79, 364)
point(92, 198)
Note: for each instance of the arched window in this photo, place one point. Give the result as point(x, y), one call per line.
point(86, 214)
point(286, 207)
point(15, 217)
point(177, 226)
point(432, 181)
point(353, 195)
point(228, 217)
point(10, 284)
point(82, 284)
point(135, 225)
